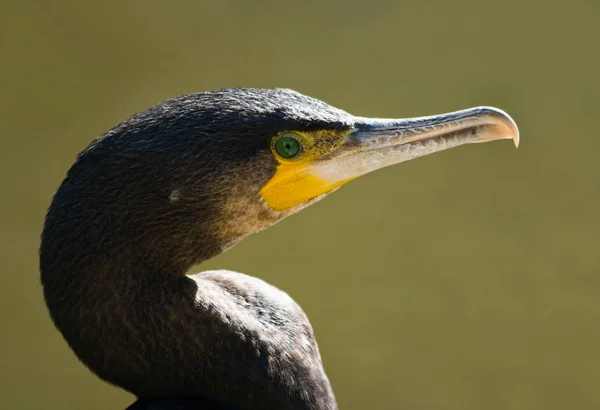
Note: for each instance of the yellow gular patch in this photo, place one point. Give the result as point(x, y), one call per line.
point(293, 183)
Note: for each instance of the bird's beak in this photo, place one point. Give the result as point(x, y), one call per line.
point(377, 143)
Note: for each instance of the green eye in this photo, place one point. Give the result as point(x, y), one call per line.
point(287, 146)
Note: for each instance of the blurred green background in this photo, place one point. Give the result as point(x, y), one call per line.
point(465, 280)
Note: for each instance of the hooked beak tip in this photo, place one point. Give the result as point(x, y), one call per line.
point(504, 121)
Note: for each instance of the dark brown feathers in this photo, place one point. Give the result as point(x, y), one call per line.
point(166, 189)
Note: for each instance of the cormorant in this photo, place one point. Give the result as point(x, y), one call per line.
point(182, 182)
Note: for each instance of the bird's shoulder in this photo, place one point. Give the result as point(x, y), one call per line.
point(251, 303)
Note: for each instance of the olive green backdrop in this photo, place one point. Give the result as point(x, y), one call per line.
point(466, 280)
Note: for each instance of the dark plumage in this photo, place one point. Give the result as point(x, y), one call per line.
point(140, 206)
point(179, 183)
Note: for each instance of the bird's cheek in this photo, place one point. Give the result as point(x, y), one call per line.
point(292, 186)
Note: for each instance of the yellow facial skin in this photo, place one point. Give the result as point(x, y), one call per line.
point(294, 183)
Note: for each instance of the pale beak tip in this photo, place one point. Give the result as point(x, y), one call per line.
point(502, 118)
point(514, 130)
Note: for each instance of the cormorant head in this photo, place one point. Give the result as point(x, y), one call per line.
point(202, 171)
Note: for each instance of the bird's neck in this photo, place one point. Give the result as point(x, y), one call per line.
point(147, 331)
point(114, 279)
point(117, 290)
